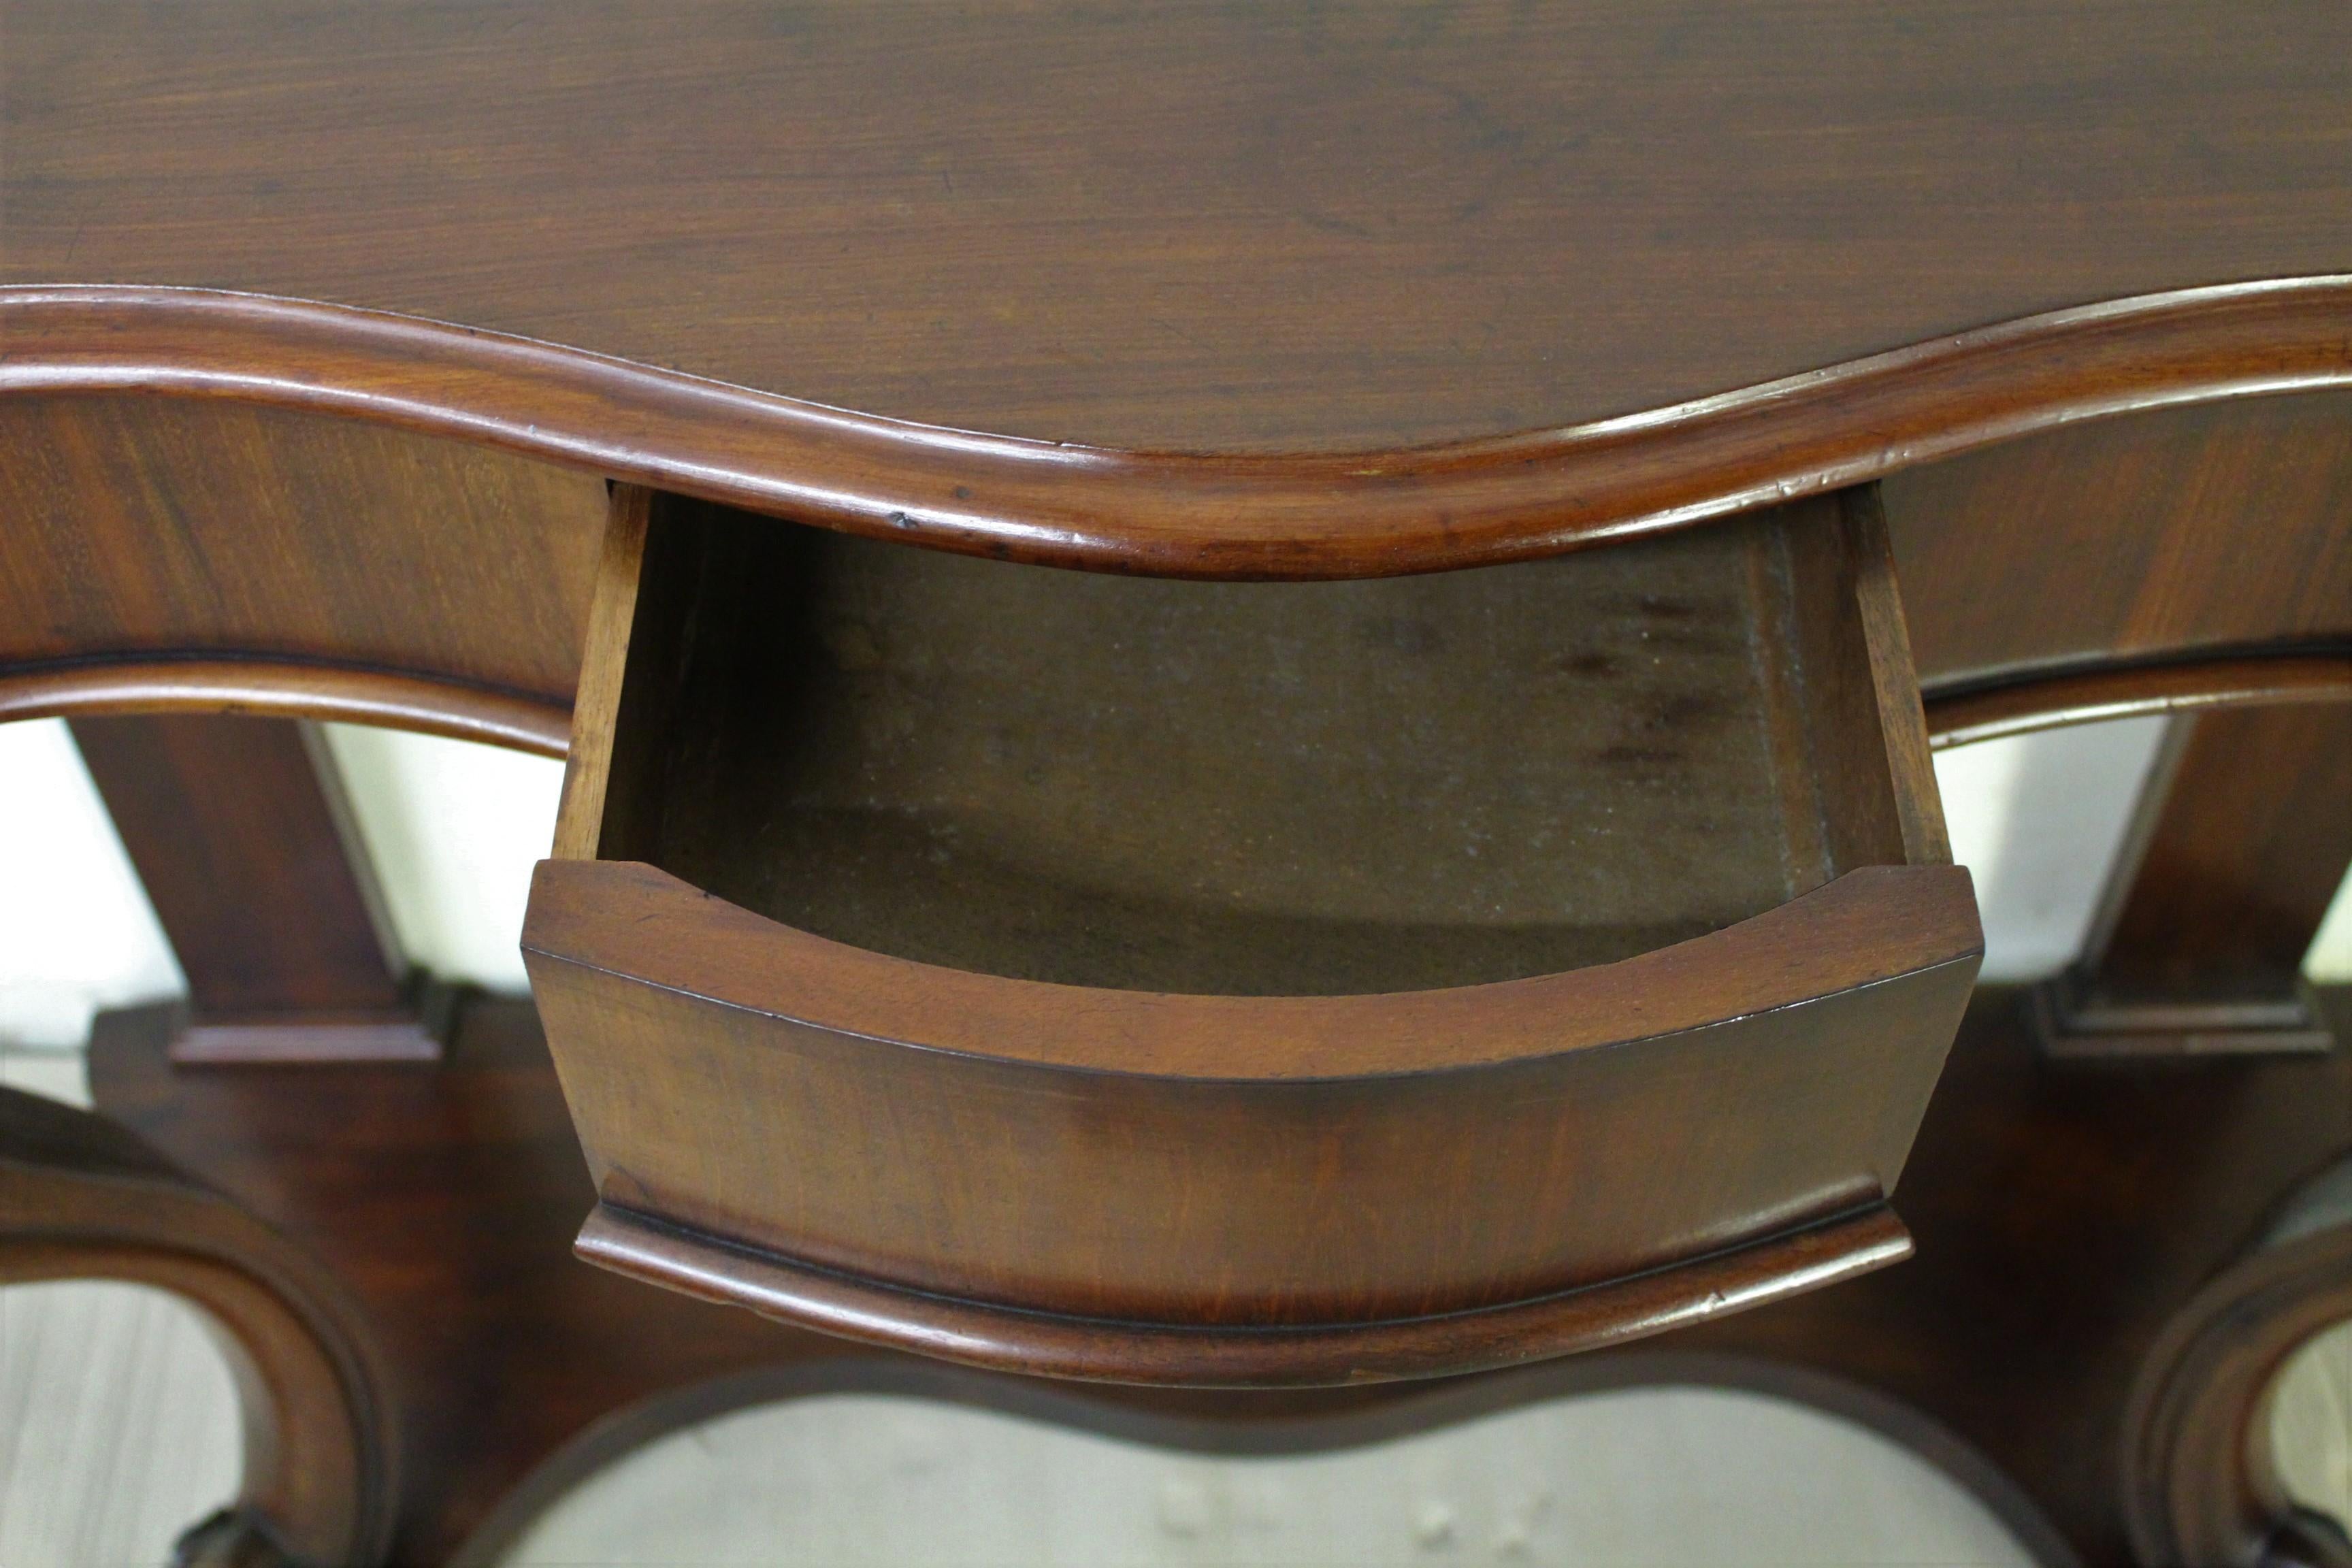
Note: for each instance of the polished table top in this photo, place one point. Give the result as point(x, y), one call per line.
point(1242, 291)
point(1189, 228)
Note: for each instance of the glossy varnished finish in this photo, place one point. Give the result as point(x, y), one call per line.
point(81, 1198)
point(2254, 838)
point(1615, 1311)
point(1370, 511)
point(1195, 239)
point(444, 1197)
point(289, 688)
point(2064, 1215)
point(2170, 534)
point(2051, 700)
point(2200, 1479)
point(1188, 227)
point(146, 532)
point(1296, 1188)
point(1171, 994)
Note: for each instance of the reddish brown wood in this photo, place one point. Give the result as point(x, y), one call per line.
point(2199, 1480)
point(2243, 838)
point(1351, 228)
point(1065, 1164)
point(1867, 927)
point(239, 832)
point(150, 530)
point(1958, 716)
point(286, 689)
point(611, 614)
point(80, 1198)
point(2051, 700)
point(1859, 702)
point(1254, 789)
point(1612, 1312)
point(445, 1198)
point(2183, 532)
point(2064, 1215)
point(1508, 497)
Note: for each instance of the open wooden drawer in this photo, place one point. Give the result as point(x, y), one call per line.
point(1231, 982)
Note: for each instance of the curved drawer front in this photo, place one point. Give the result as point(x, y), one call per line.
point(1246, 1163)
point(1253, 983)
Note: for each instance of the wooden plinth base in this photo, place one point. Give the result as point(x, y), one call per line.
point(2063, 1219)
point(2075, 1020)
point(414, 1032)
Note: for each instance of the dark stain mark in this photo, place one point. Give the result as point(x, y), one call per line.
point(1690, 708)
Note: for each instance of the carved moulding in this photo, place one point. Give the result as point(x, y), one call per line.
point(2199, 1483)
point(82, 1199)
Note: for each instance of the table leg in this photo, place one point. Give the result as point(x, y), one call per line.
point(239, 830)
point(2242, 839)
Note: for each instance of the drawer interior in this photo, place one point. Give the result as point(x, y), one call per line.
point(1256, 788)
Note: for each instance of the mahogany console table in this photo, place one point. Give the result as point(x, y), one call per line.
point(1698, 409)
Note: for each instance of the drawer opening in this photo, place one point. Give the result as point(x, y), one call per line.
point(1440, 972)
point(1256, 788)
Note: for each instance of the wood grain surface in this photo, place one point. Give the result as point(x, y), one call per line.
point(81, 1198)
point(2238, 846)
point(1179, 226)
point(241, 835)
point(1608, 1313)
point(1397, 1216)
point(2170, 534)
point(1259, 788)
point(288, 689)
point(1217, 1065)
point(2064, 1215)
point(2251, 843)
point(604, 671)
point(2199, 1480)
point(1360, 513)
point(150, 530)
point(2126, 690)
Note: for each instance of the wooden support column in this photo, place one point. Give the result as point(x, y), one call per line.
point(2241, 841)
point(240, 829)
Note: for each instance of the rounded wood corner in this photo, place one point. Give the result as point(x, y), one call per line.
point(2197, 1482)
point(83, 1199)
point(1245, 1190)
point(1871, 925)
point(288, 689)
point(2022, 703)
point(984, 1334)
point(1315, 514)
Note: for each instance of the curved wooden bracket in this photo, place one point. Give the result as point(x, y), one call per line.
point(80, 1198)
point(2198, 1481)
point(2052, 700)
point(286, 689)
